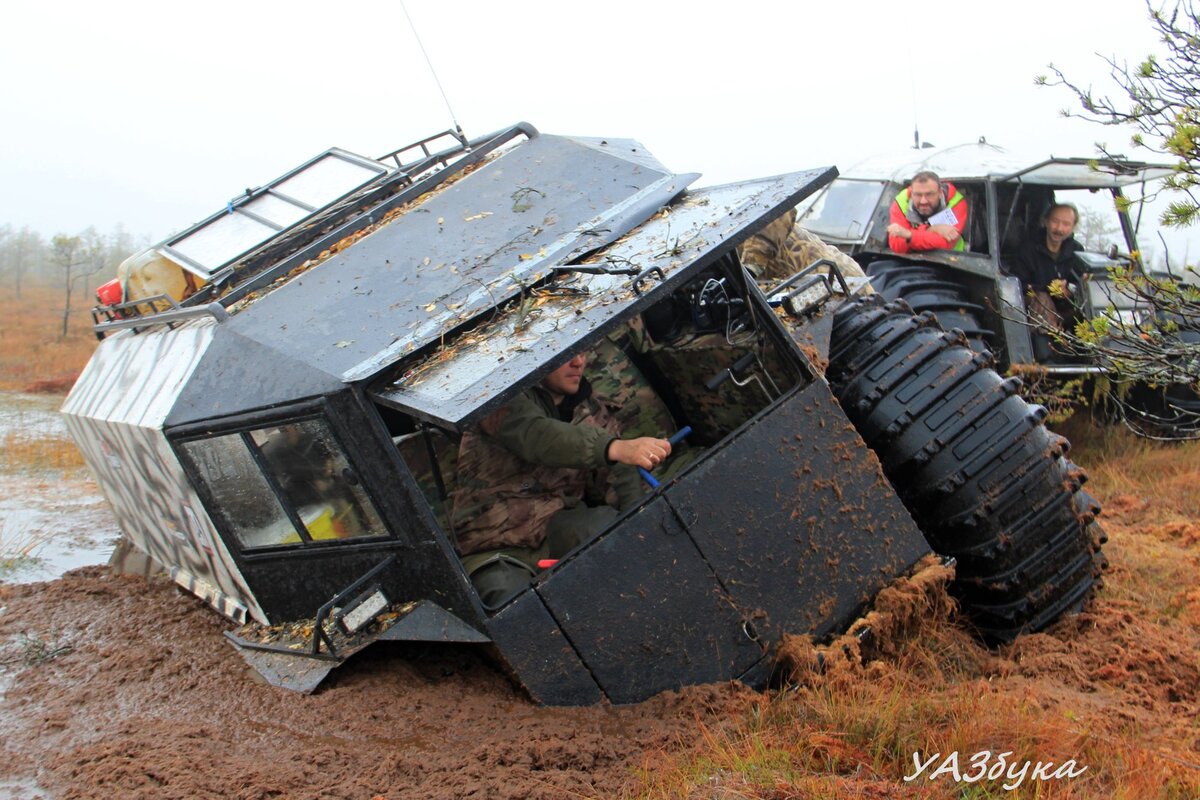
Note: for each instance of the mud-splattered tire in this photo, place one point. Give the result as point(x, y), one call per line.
point(983, 478)
point(925, 288)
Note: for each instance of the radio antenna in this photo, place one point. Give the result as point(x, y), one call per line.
point(916, 135)
point(417, 36)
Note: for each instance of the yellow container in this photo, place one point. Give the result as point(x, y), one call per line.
point(319, 521)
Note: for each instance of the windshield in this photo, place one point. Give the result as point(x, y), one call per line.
point(843, 211)
point(1099, 225)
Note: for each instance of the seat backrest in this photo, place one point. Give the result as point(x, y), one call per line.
point(639, 409)
point(415, 453)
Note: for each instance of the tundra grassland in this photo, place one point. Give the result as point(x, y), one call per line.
point(1114, 689)
point(34, 357)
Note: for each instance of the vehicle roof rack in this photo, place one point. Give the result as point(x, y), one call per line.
point(268, 250)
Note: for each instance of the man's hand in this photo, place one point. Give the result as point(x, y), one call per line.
point(645, 452)
point(947, 232)
point(896, 229)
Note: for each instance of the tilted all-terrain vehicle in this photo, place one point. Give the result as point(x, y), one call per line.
point(975, 289)
point(280, 430)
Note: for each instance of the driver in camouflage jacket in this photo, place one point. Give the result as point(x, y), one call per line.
point(539, 477)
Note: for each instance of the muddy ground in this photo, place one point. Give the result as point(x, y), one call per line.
point(123, 687)
point(150, 701)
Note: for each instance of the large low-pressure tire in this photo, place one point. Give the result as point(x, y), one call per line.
point(926, 288)
point(983, 478)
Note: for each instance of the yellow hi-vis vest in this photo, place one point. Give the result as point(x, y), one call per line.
point(902, 201)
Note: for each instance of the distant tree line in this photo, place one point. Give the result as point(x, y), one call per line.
point(72, 263)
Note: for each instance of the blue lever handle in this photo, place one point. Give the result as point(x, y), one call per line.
point(679, 436)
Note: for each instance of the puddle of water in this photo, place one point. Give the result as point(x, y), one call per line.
point(55, 519)
point(32, 414)
point(22, 790)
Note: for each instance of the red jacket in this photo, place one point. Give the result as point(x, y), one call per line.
point(922, 237)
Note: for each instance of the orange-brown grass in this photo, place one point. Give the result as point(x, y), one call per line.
point(1151, 497)
point(19, 451)
point(31, 349)
point(1116, 688)
point(1122, 465)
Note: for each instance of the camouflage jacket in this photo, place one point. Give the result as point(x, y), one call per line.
point(530, 460)
point(783, 248)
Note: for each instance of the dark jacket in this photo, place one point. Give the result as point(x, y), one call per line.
point(1036, 267)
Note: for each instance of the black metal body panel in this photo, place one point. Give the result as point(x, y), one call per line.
point(291, 662)
point(428, 622)
point(797, 518)
point(645, 612)
point(785, 526)
point(462, 251)
point(237, 374)
point(533, 645)
point(466, 380)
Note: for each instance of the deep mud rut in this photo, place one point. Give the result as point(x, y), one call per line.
point(144, 698)
point(123, 687)
point(151, 701)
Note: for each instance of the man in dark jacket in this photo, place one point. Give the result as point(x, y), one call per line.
point(1044, 265)
point(541, 476)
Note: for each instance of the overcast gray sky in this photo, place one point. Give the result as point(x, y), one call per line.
point(154, 114)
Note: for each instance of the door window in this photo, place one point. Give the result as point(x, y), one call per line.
point(284, 484)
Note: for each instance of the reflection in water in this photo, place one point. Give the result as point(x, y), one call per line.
point(52, 518)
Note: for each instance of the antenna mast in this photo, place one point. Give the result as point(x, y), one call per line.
point(912, 81)
point(417, 36)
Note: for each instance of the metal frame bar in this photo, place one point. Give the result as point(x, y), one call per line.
point(323, 611)
point(992, 198)
point(287, 198)
point(208, 273)
point(423, 144)
point(319, 634)
point(259, 218)
point(264, 468)
point(1115, 168)
point(1127, 226)
point(177, 314)
point(187, 262)
point(372, 215)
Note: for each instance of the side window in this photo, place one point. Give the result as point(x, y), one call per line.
point(976, 232)
point(285, 484)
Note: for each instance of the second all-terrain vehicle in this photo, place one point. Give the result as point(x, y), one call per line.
point(275, 409)
point(975, 288)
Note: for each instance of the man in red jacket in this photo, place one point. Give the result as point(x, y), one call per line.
point(927, 215)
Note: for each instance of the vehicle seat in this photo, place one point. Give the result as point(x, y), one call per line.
point(415, 453)
point(638, 408)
